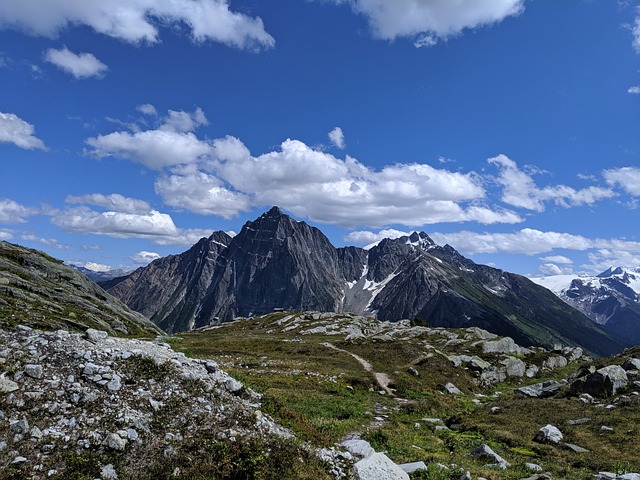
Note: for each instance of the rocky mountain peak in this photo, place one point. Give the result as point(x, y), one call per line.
point(610, 272)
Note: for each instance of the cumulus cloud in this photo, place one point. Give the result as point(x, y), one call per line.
point(144, 258)
point(530, 241)
point(201, 193)
point(635, 90)
point(628, 178)
point(115, 201)
point(124, 218)
point(137, 21)
point(557, 259)
point(6, 234)
point(80, 65)
point(115, 224)
point(337, 138)
point(97, 267)
point(364, 237)
point(550, 269)
point(520, 190)
point(155, 149)
point(15, 130)
point(432, 19)
point(222, 177)
point(13, 212)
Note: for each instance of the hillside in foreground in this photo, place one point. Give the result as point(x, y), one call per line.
point(313, 396)
point(40, 291)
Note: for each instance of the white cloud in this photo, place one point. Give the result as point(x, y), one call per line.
point(601, 252)
point(172, 143)
point(636, 34)
point(6, 234)
point(137, 21)
point(520, 190)
point(115, 201)
point(431, 19)
point(363, 237)
point(15, 130)
point(635, 90)
point(147, 109)
point(550, 269)
point(97, 267)
point(155, 149)
point(152, 225)
point(426, 40)
point(222, 177)
point(201, 193)
point(557, 259)
point(337, 138)
point(180, 121)
point(13, 212)
point(115, 224)
point(626, 177)
point(80, 65)
point(144, 258)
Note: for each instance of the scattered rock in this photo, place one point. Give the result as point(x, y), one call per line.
point(358, 448)
point(412, 467)
point(34, 371)
point(232, 385)
point(108, 472)
point(115, 442)
point(452, 389)
point(631, 364)
point(574, 448)
point(378, 467)
point(604, 382)
point(548, 434)
point(540, 390)
point(534, 467)
point(486, 451)
point(6, 385)
point(95, 335)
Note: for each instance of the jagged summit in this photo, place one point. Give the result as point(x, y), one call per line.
point(276, 262)
point(611, 271)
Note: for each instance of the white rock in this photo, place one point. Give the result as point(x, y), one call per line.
point(378, 467)
point(548, 434)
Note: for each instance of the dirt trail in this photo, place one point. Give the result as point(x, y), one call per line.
point(382, 378)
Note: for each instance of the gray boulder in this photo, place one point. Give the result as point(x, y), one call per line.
point(603, 382)
point(358, 448)
point(540, 390)
point(412, 467)
point(631, 364)
point(514, 366)
point(378, 467)
point(548, 434)
point(486, 451)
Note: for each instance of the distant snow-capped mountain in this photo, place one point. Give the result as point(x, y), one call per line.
point(611, 299)
point(101, 276)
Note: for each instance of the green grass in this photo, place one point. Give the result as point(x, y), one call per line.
point(324, 394)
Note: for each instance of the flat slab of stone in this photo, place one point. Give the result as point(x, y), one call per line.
point(413, 466)
point(378, 467)
point(359, 448)
point(540, 390)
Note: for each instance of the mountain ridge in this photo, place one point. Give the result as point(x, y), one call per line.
point(278, 262)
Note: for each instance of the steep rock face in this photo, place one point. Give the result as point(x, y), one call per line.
point(277, 262)
point(170, 290)
point(611, 298)
point(40, 291)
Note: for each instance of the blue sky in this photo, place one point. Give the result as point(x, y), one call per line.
point(507, 128)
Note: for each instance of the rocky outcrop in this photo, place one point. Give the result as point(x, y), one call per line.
point(603, 382)
point(90, 396)
point(40, 291)
point(277, 262)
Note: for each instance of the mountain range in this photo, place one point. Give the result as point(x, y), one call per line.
point(612, 298)
point(276, 262)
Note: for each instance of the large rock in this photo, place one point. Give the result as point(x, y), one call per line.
point(603, 382)
point(504, 345)
point(540, 390)
point(486, 451)
point(378, 467)
point(548, 434)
